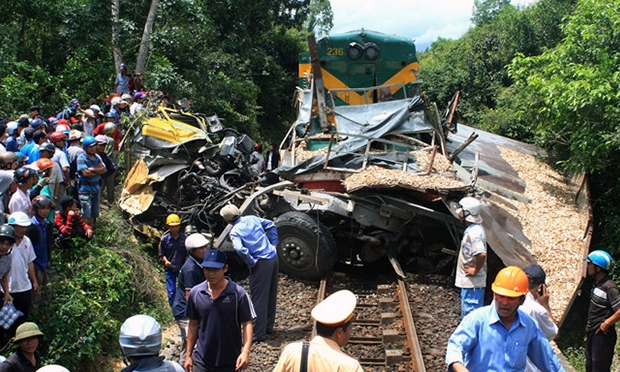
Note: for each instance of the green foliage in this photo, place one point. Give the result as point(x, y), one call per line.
point(96, 286)
point(486, 10)
point(576, 88)
point(320, 18)
point(476, 63)
point(576, 357)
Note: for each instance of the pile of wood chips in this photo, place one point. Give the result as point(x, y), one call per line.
point(442, 173)
point(375, 176)
point(554, 225)
point(302, 153)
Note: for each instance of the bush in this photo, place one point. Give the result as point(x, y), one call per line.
point(97, 285)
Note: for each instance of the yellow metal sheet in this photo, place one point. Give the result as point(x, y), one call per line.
point(137, 194)
point(172, 131)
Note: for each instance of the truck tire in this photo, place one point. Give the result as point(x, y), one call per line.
point(307, 249)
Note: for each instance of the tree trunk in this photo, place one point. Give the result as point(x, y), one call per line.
point(116, 17)
point(146, 35)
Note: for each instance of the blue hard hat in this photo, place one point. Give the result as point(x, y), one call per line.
point(36, 123)
point(89, 141)
point(110, 114)
point(601, 259)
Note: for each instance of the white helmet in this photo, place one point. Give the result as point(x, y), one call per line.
point(19, 219)
point(116, 101)
point(196, 240)
point(140, 335)
point(230, 212)
point(470, 209)
point(52, 368)
point(108, 127)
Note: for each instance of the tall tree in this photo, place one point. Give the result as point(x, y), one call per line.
point(320, 18)
point(116, 19)
point(146, 36)
point(485, 10)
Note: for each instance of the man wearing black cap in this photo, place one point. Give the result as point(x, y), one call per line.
point(536, 305)
point(35, 113)
point(333, 316)
point(220, 316)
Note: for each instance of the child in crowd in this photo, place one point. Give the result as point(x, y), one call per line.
point(41, 235)
point(70, 222)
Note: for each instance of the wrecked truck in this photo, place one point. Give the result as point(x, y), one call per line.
point(370, 171)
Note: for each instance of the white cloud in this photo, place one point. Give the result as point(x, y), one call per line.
point(421, 20)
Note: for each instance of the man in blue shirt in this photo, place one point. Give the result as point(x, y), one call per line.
point(172, 253)
point(191, 275)
point(90, 167)
point(121, 84)
point(255, 240)
point(500, 337)
point(41, 234)
point(220, 316)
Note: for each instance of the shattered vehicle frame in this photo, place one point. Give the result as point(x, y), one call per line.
point(370, 171)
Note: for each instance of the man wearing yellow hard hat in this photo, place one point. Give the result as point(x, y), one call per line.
point(333, 317)
point(172, 253)
point(500, 336)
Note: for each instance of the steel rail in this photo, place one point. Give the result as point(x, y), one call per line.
point(417, 360)
point(414, 358)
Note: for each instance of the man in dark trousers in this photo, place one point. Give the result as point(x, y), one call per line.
point(273, 158)
point(603, 313)
point(190, 275)
point(220, 315)
point(255, 240)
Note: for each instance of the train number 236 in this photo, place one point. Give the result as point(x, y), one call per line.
point(335, 51)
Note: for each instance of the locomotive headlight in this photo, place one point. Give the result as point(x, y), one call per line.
point(355, 51)
point(371, 51)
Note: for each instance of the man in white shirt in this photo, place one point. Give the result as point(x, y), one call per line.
point(537, 306)
point(137, 105)
point(22, 278)
point(25, 178)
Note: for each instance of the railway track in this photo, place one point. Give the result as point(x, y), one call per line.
point(384, 335)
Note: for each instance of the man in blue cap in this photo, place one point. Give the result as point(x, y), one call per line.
point(220, 316)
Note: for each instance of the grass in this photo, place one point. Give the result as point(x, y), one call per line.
point(96, 286)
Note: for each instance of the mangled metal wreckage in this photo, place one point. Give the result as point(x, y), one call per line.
point(375, 190)
point(366, 174)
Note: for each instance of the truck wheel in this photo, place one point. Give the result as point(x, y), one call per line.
point(307, 249)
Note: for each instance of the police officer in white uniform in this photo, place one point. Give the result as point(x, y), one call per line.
point(334, 317)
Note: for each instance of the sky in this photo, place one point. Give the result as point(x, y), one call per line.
point(421, 20)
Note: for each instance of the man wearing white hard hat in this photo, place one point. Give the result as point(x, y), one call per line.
point(333, 325)
point(255, 240)
point(190, 275)
point(471, 269)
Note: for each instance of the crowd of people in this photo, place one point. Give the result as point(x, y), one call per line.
point(55, 172)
